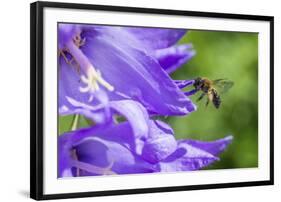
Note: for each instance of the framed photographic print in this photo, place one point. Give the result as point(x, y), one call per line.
point(135, 100)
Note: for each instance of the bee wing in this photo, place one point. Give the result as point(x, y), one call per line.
point(223, 85)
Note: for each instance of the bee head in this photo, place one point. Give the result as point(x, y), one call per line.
point(198, 82)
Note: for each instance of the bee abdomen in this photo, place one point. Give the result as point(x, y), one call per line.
point(216, 99)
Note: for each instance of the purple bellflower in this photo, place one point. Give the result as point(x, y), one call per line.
point(117, 61)
point(103, 150)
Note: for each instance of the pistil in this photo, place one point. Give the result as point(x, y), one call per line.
point(93, 169)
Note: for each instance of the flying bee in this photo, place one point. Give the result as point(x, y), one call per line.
point(212, 88)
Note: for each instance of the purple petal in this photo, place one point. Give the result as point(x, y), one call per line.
point(194, 155)
point(186, 158)
point(214, 147)
point(174, 57)
point(156, 38)
point(164, 127)
point(121, 133)
point(102, 146)
point(184, 83)
point(69, 83)
point(102, 153)
point(64, 155)
point(160, 143)
point(99, 113)
point(135, 114)
point(66, 32)
point(102, 113)
point(72, 101)
point(134, 73)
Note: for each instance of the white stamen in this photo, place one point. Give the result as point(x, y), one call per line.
point(92, 82)
point(91, 98)
point(84, 79)
point(84, 89)
point(103, 82)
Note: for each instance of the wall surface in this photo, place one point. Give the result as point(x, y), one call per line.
point(14, 102)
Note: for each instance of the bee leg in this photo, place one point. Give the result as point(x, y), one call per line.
point(201, 96)
point(210, 97)
point(192, 92)
point(208, 101)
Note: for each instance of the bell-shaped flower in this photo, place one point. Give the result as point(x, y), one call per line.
point(100, 64)
point(114, 149)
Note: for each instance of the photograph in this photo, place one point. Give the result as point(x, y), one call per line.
point(131, 100)
point(155, 100)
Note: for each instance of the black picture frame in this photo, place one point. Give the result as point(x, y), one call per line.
point(37, 101)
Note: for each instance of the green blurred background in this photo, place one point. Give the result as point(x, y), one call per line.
point(228, 55)
point(233, 56)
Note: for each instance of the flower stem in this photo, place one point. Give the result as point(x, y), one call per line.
point(74, 124)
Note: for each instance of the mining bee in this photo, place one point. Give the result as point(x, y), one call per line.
point(212, 88)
